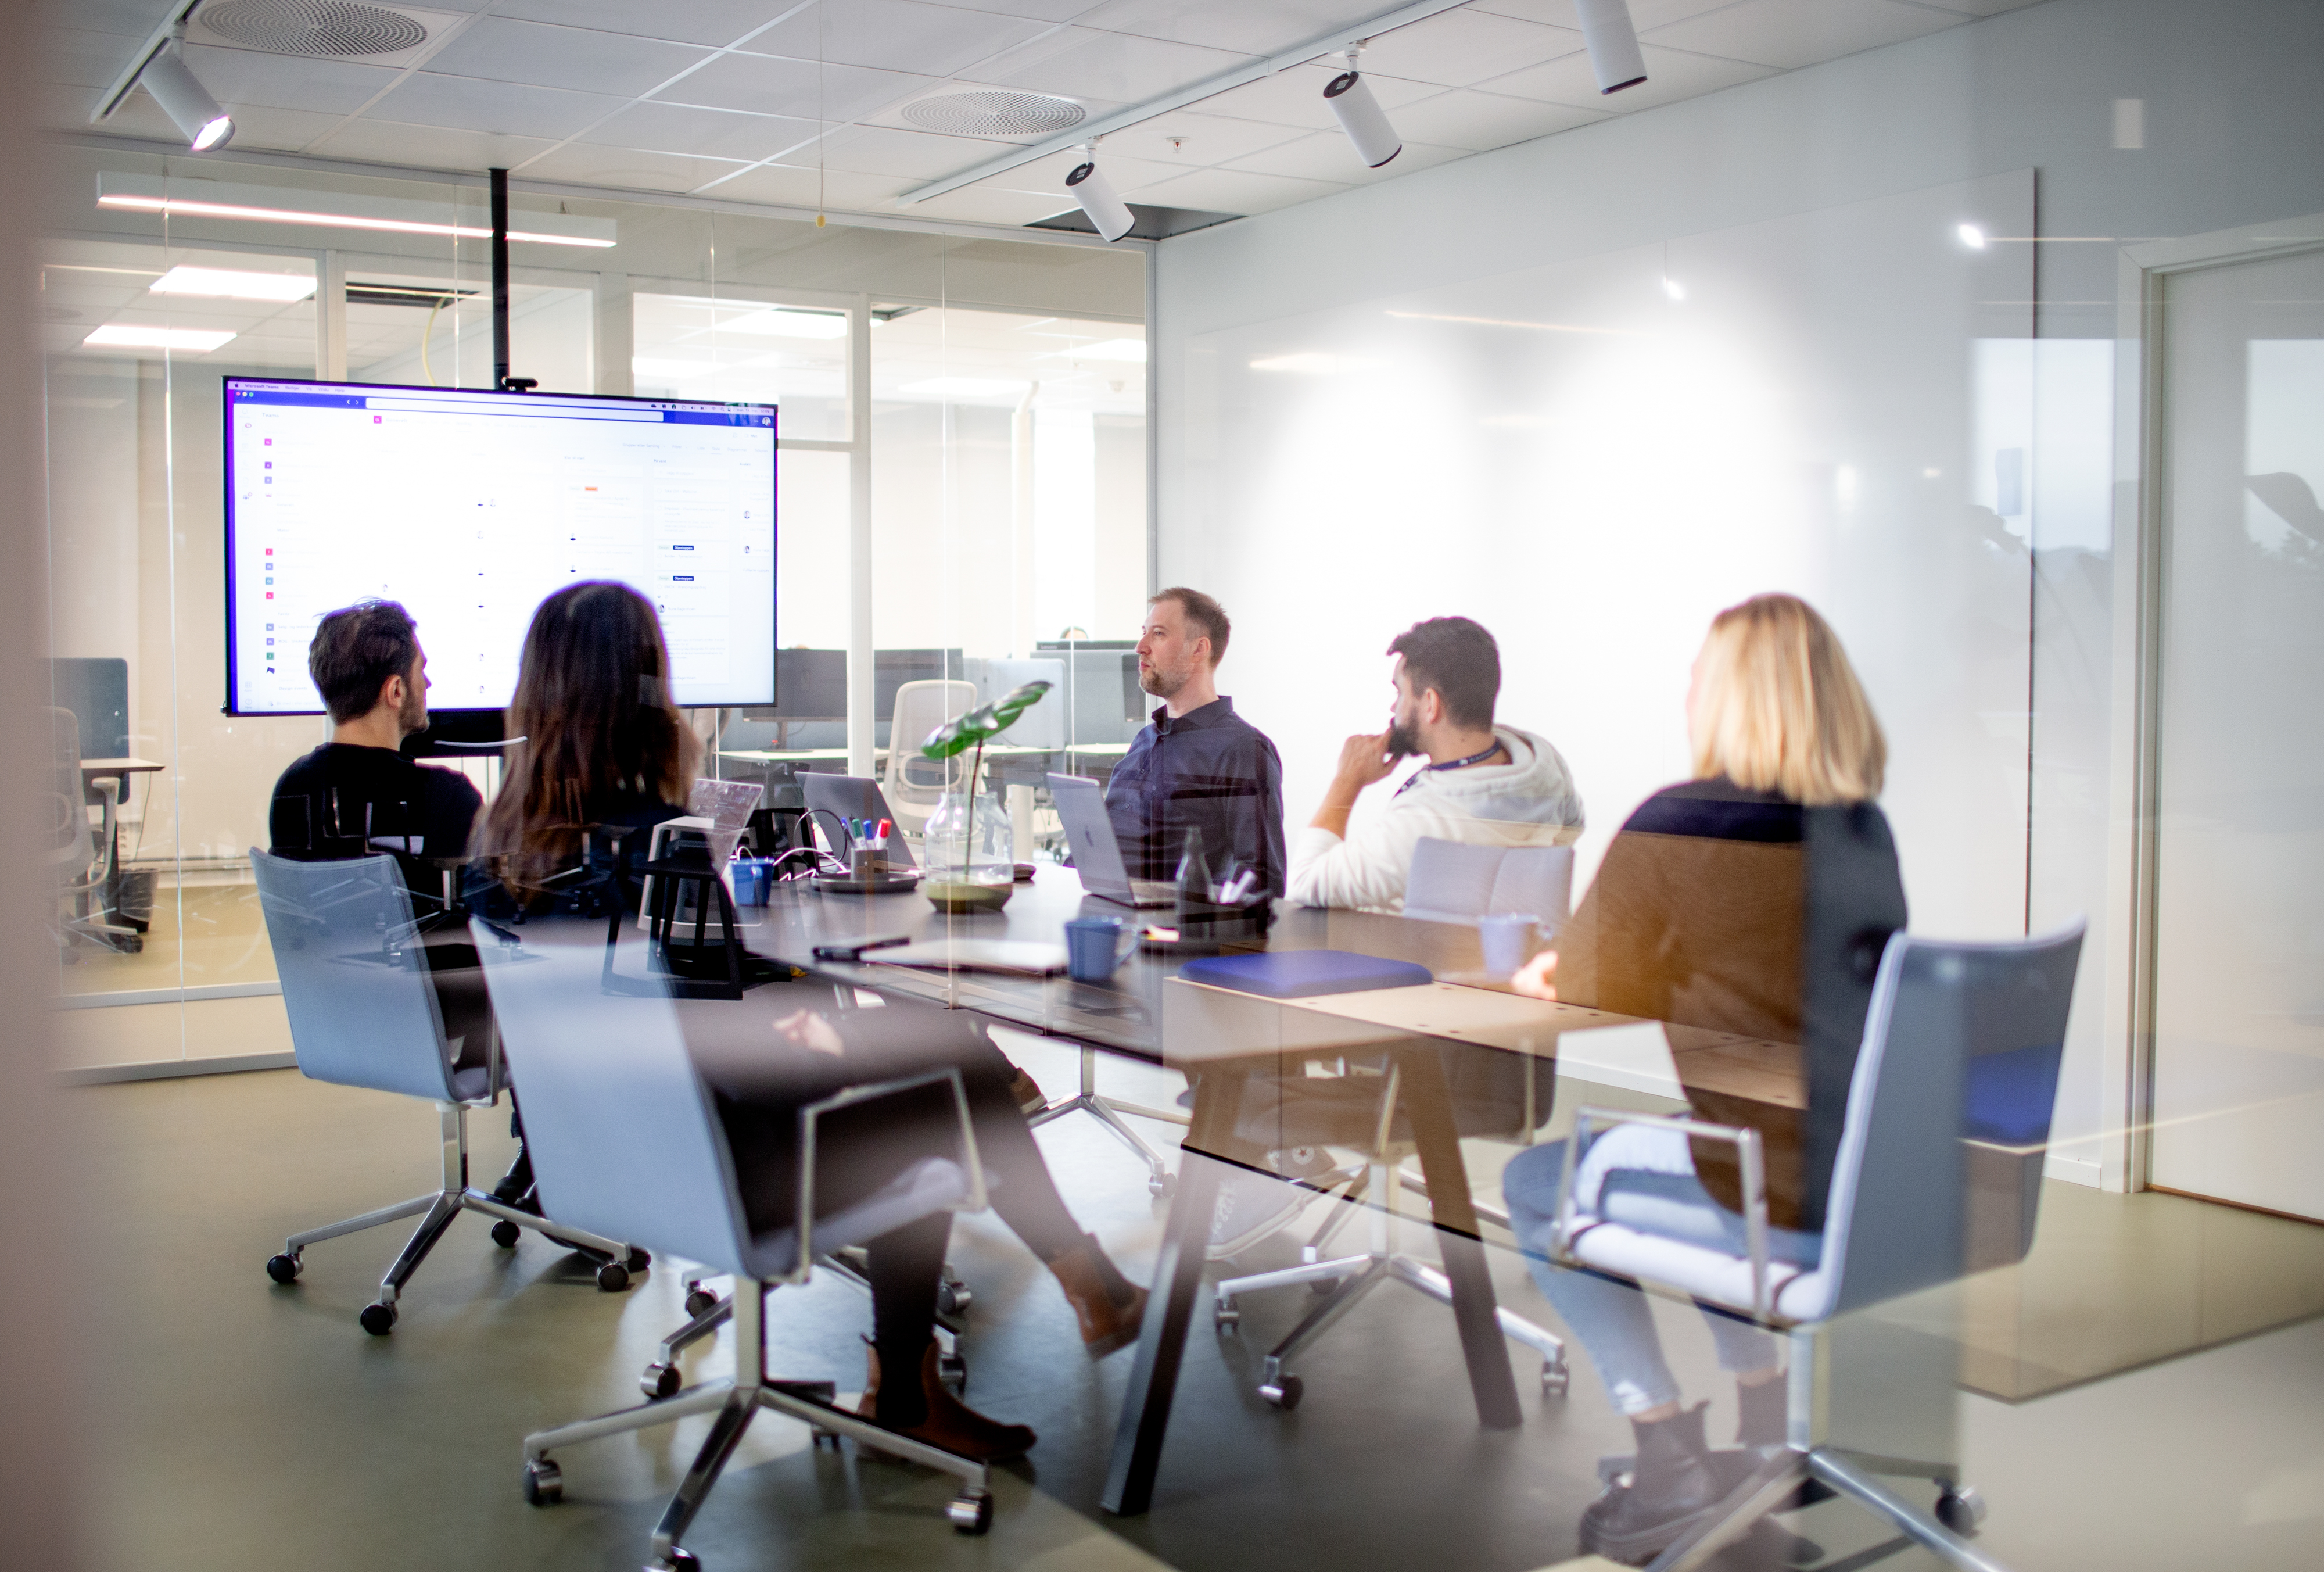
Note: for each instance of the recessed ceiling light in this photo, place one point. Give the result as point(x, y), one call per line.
point(231, 284)
point(135, 335)
point(179, 206)
point(1130, 349)
point(789, 324)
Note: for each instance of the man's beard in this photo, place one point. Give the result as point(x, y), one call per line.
point(414, 716)
point(1162, 684)
point(1401, 742)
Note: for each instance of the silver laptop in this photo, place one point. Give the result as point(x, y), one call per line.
point(1097, 855)
point(853, 797)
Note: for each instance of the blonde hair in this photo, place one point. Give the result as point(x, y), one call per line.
point(1778, 707)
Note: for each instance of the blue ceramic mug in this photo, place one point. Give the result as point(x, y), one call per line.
point(751, 876)
point(1095, 947)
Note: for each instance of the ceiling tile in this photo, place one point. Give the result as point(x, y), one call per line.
point(1048, 174)
point(431, 146)
point(284, 130)
point(705, 21)
point(1231, 191)
point(1480, 122)
point(1204, 139)
point(1295, 97)
point(55, 103)
point(796, 188)
point(1800, 32)
point(989, 204)
point(241, 76)
point(1108, 65)
point(498, 49)
point(1260, 27)
point(1643, 14)
point(1981, 7)
point(1671, 75)
point(767, 86)
point(135, 18)
point(897, 35)
point(1457, 49)
point(80, 57)
point(1325, 155)
point(878, 149)
point(626, 169)
point(683, 128)
point(1043, 10)
point(504, 108)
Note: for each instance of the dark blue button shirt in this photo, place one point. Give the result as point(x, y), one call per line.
point(1209, 769)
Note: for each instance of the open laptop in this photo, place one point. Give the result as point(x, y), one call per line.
point(853, 797)
point(1097, 855)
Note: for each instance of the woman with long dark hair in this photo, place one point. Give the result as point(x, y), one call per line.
point(603, 750)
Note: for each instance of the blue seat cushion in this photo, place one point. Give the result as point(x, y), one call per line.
point(1304, 974)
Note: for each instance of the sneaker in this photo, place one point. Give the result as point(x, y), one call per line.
point(1027, 1093)
point(1251, 1207)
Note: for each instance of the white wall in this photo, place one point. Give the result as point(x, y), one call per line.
point(2232, 122)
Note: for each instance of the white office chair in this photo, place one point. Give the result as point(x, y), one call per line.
point(1455, 882)
point(81, 866)
point(1939, 1174)
point(914, 785)
point(363, 1014)
point(624, 1138)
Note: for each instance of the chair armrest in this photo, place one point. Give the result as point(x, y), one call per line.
point(1750, 1156)
point(811, 1115)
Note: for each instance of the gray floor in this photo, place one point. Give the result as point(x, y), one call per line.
point(235, 1424)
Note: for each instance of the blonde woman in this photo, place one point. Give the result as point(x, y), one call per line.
point(1753, 899)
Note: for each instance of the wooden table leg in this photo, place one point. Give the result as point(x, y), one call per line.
point(1428, 1104)
point(1177, 1282)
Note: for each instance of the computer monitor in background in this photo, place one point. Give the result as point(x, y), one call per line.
point(1103, 703)
point(891, 669)
point(809, 685)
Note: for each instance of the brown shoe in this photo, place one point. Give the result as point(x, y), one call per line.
point(1027, 1092)
point(951, 1425)
point(1109, 1316)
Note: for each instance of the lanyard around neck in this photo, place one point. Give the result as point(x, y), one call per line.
point(1450, 764)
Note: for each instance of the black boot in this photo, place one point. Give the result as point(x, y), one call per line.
point(1674, 1491)
point(1760, 1413)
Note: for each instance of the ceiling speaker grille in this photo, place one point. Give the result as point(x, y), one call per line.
point(992, 113)
point(320, 28)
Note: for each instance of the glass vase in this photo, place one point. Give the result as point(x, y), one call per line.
point(968, 853)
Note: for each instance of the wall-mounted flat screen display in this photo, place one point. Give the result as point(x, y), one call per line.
point(471, 507)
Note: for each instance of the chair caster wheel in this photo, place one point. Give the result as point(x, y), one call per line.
point(660, 1381)
point(1162, 1186)
point(379, 1321)
point(505, 1234)
point(1961, 1509)
point(637, 1259)
point(612, 1277)
point(678, 1560)
point(971, 1511)
point(1283, 1393)
point(544, 1483)
point(1555, 1380)
point(698, 1303)
point(1323, 1288)
point(953, 1297)
point(1226, 1315)
point(953, 1370)
point(284, 1269)
point(823, 1438)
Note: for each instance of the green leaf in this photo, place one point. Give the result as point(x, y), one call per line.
point(978, 726)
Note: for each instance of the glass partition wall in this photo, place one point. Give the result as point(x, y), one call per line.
point(1001, 439)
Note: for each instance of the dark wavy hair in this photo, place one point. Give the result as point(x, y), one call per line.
point(356, 649)
point(593, 707)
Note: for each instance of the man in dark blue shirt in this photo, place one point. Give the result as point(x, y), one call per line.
point(1196, 764)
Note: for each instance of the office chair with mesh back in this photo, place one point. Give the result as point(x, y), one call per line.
point(914, 785)
point(1457, 882)
point(1939, 1174)
point(363, 1008)
point(586, 1058)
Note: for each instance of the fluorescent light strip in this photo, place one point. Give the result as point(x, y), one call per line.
point(128, 335)
point(179, 207)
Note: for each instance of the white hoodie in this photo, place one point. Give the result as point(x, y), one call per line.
point(1529, 801)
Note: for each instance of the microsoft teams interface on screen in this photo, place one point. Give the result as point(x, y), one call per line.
point(471, 507)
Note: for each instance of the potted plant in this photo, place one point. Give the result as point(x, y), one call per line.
point(968, 848)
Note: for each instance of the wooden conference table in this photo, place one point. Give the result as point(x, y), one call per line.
point(1224, 1040)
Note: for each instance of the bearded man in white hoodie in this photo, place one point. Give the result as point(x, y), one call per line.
point(1486, 785)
